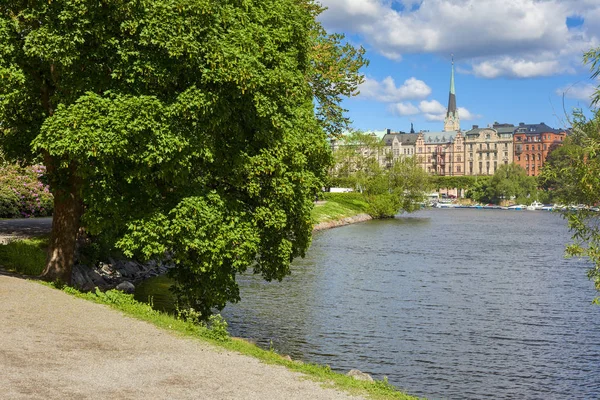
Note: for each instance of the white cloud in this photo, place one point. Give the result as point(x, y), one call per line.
point(519, 68)
point(404, 109)
point(431, 110)
point(517, 38)
point(466, 115)
point(432, 107)
point(578, 91)
point(387, 92)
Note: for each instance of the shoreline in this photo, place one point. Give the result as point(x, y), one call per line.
point(321, 226)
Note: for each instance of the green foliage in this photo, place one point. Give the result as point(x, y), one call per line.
point(22, 192)
point(25, 256)
point(401, 186)
point(574, 175)
point(511, 181)
point(459, 182)
point(186, 127)
point(508, 183)
point(479, 190)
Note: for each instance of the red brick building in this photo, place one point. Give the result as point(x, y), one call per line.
point(532, 143)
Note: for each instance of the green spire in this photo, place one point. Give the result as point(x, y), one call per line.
point(452, 78)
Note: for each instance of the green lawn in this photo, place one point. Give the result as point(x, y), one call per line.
point(25, 256)
point(338, 206)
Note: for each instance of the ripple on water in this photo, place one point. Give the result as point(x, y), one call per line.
point(448, 304)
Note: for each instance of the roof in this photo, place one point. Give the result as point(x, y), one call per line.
point(438, 137)
point(404, 138)
point(535, 128)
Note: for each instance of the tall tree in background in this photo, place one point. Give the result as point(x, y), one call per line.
point(180, 127)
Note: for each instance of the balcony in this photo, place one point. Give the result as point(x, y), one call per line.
point(487, 150)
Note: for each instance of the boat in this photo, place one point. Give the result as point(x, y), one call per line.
point(548, 207)
point(517, 207)
point(535, 206)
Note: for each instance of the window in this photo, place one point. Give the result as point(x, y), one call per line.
point(526, 157)
point(545, 146)
point(495, 165)
point(458, 159)
point(458, 168)
point(527, 147)
point(506, 145)
point(506, 154)
point(518, 158)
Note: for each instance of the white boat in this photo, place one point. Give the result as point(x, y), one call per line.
point(547, 207)
point(518, 207)
point(535, 206)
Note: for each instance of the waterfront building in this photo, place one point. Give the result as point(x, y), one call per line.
point(486, 149)
point(533, 143)
point(396, 146)
point(441, 153)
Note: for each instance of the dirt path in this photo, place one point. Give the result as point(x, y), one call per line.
point(54, 346)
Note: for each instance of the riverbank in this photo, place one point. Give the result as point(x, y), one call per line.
point(54, 345)
point(339, 209)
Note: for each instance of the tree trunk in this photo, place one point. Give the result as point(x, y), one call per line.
point(68, 209)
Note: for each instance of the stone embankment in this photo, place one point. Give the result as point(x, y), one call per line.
point(119, 274)
point(341, 222)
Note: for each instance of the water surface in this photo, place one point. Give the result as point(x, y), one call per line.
point(452, 304)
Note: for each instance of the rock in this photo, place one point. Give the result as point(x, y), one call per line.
point(287, 358)
point(126, 287)
point(359, 375)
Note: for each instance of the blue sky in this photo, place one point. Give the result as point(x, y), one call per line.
point(514, 59)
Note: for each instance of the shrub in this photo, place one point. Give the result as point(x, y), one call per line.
point(22, 192)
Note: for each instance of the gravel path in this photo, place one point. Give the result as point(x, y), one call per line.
point(55, 346)
point(11, 229)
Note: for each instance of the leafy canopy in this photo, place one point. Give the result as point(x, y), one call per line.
point(190, 125)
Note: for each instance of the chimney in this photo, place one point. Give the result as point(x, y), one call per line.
point(387, 131)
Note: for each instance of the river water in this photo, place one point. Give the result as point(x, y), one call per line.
point(447, 304)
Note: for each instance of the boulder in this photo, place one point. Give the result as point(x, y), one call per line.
point(126, 287)
point(359, 375)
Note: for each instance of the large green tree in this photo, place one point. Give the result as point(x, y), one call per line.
point(574, 175)
point(192, 129)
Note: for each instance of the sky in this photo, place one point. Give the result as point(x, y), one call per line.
point(515, 60)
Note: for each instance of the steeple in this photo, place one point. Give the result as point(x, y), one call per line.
point(452, 122)
point(412, 129)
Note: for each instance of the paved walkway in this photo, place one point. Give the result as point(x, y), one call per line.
point(11, 229)
point(55, 346)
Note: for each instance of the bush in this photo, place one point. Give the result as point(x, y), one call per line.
point(22, 192)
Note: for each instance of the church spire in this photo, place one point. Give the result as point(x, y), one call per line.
point(451, 122)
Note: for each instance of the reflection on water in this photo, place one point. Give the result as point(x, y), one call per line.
point(445, 303)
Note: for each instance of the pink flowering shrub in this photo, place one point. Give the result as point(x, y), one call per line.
point(22, 193)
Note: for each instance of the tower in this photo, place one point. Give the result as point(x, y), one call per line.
point(452, 122)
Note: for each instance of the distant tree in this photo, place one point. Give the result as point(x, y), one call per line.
point(479, 191)
point(511, 181)
point(190, 128)
point(356, 159)
point(558, 178)
point(401, 187)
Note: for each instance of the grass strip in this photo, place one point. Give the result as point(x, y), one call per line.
point(24, 256)
point(215, 333)
point(338, 206)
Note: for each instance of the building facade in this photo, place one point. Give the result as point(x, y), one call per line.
point(441, 153)
point(397, 145)
point(486, 149)
point(533, 143)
